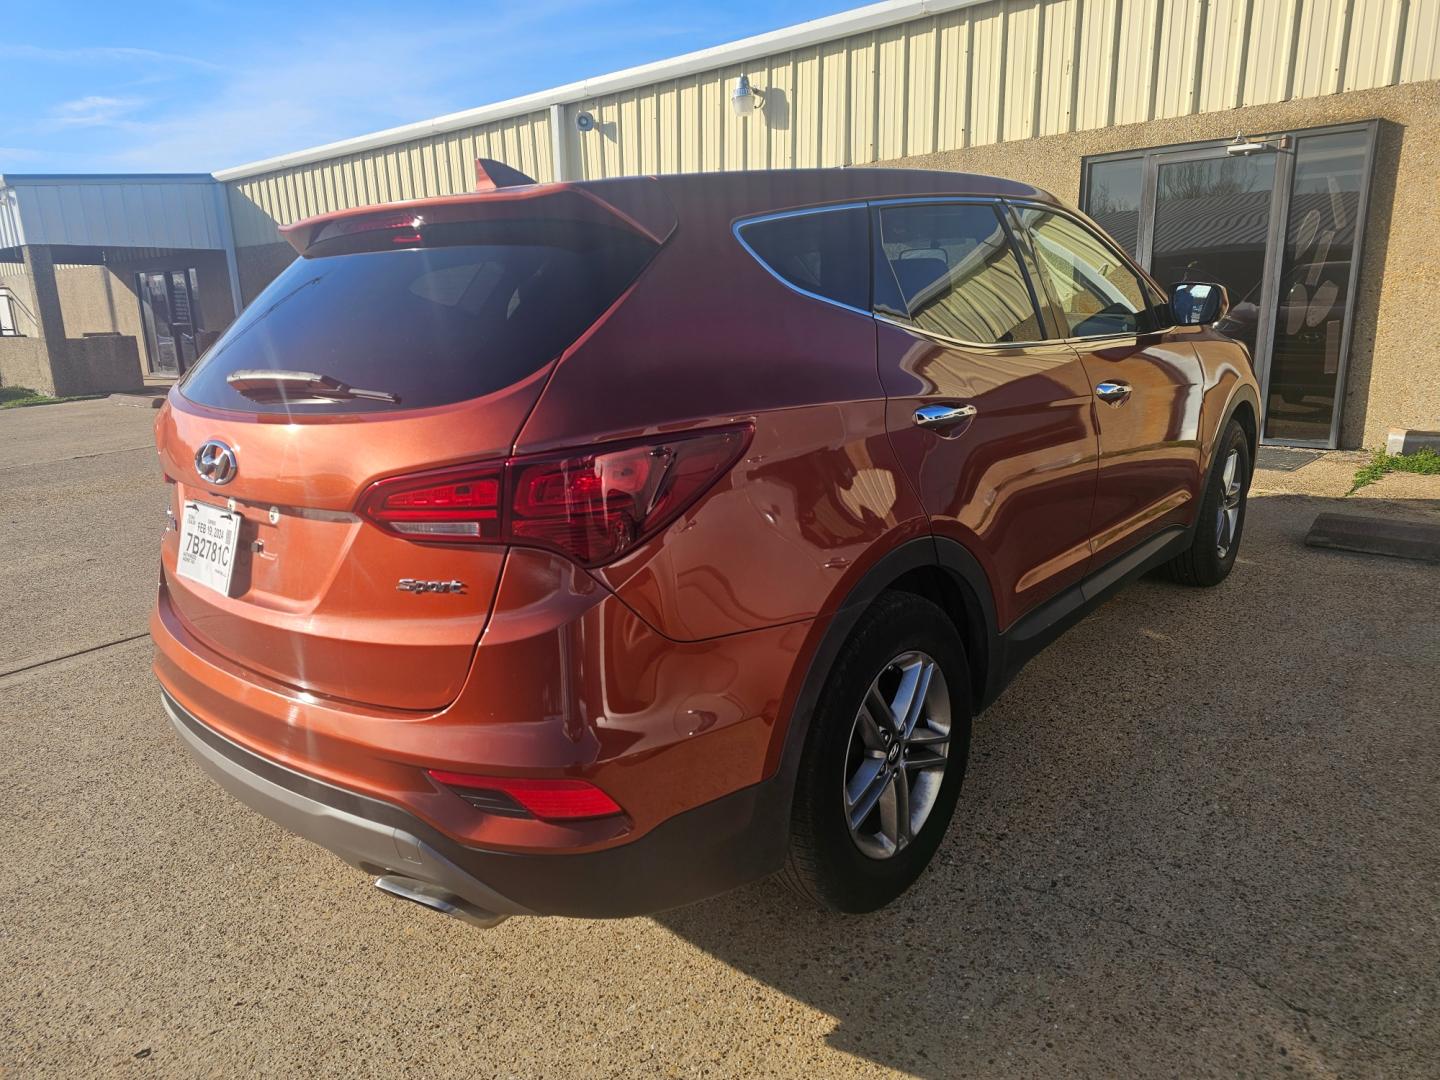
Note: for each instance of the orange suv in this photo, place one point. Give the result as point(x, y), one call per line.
point(592, 548)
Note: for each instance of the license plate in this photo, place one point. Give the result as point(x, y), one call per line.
point(208, 538)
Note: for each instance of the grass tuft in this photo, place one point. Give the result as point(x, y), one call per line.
point(1425, 461)
point(20, 397)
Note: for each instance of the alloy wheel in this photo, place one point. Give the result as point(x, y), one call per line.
point(895, 761)
point(1227, 518)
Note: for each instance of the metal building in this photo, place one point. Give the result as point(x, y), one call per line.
point(1124, 107)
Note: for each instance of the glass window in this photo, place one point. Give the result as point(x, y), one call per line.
point(1315, 284)
point(1112, 198)
point(826, 252)
point(950, 268)
point(7, 315)
point(1096, 291)
point(478, 307)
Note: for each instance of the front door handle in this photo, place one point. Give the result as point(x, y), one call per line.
point(1113, 393)
point(940, 417)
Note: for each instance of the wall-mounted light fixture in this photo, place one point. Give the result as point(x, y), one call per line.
point(1244, 147)
point(744, 99)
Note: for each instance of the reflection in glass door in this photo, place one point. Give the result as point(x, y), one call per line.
point(1322, 229)
point(1280, 229)
point(1211, 222)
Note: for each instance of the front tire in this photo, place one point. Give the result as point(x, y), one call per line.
point(1222, 515)
point(884, 758)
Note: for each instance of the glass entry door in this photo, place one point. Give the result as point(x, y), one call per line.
point(1280, 229)
point(1210, 221)
point(170, 310)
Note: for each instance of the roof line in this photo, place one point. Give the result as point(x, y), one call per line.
point(856, 21)
point(11, 179)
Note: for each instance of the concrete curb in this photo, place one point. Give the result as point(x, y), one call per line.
point(1376, 536)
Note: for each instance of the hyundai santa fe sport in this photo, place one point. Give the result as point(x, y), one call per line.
point(593, 548)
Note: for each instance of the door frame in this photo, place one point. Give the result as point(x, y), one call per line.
point(1151, 158)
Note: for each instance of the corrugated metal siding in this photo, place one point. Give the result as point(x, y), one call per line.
point(112, 214)
point(986, 73)
point(440, 165)
point(1011, 69)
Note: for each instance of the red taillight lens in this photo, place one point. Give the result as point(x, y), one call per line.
point(551, 800)
point(591, 507)
point(406, 226)
point(452, 505)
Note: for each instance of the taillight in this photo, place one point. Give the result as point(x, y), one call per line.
point(591, 507)
point(449, 504)
point(550, 800)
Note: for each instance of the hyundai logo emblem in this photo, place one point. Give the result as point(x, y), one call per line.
point(215, 462)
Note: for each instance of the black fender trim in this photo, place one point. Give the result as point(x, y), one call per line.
point(928, 552)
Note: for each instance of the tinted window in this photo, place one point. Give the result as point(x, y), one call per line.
point(824, 252)
point(478, 307)
point(1112, 198)
point(950, 268)
point(1096, 291)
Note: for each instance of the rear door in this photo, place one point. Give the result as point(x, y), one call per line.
point(409, 348)
point(992, 422)
point(1146, 377)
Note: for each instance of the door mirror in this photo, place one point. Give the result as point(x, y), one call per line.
point(1198, 303)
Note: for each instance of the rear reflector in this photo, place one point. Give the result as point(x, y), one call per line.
point(591, 507)
point(549, 800)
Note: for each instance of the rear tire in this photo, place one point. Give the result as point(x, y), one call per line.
point(1222, 515)
point(876, 789)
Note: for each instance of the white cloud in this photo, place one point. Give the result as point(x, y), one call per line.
point(94, 110)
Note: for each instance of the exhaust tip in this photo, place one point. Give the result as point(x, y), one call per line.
point(438, 899)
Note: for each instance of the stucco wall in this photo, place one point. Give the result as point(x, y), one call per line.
point(259, 266)
point(24, 361)
point(94, 301)
point(1394, 373)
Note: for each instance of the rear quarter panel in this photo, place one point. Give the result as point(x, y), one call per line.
point(706, 338)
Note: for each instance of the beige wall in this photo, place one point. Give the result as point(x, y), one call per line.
point(24, 361)
point(260, 264)
point(93, 300)
point(1394, 373)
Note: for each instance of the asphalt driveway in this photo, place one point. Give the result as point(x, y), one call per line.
point(1200, 836)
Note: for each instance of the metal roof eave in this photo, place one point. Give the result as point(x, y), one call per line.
point(829, 28)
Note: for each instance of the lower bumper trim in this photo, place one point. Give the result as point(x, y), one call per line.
point(702, 852)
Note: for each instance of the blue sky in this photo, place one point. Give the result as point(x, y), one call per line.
point(196, 86)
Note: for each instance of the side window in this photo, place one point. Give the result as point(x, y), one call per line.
point(1097, 293)
point(950, 269)
point(825, 252)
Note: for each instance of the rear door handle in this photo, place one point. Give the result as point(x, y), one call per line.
point(1113, 393)
point(940, 417)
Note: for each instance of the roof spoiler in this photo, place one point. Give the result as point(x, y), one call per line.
point(636, 203)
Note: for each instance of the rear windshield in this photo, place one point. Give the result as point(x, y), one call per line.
point(473, 308)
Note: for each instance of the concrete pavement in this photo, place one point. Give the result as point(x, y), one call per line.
point(1199, 836)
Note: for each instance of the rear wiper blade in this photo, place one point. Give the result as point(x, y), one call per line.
point(267, 386)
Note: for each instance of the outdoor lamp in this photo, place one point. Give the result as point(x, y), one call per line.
point(743, 99)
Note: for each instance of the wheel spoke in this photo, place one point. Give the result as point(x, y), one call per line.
point(869, 727)
point(878, 708)
point(1232, 463)
point(924, 758)
point(928, 736)
point(910, 698)
point(905, 695)
point(864, 790)
point(902, 807)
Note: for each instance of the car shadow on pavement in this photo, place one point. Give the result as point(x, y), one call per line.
point(1200, 827)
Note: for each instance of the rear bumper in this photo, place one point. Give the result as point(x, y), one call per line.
point(708, 850)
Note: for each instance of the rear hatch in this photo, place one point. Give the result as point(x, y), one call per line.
point(404, 339)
